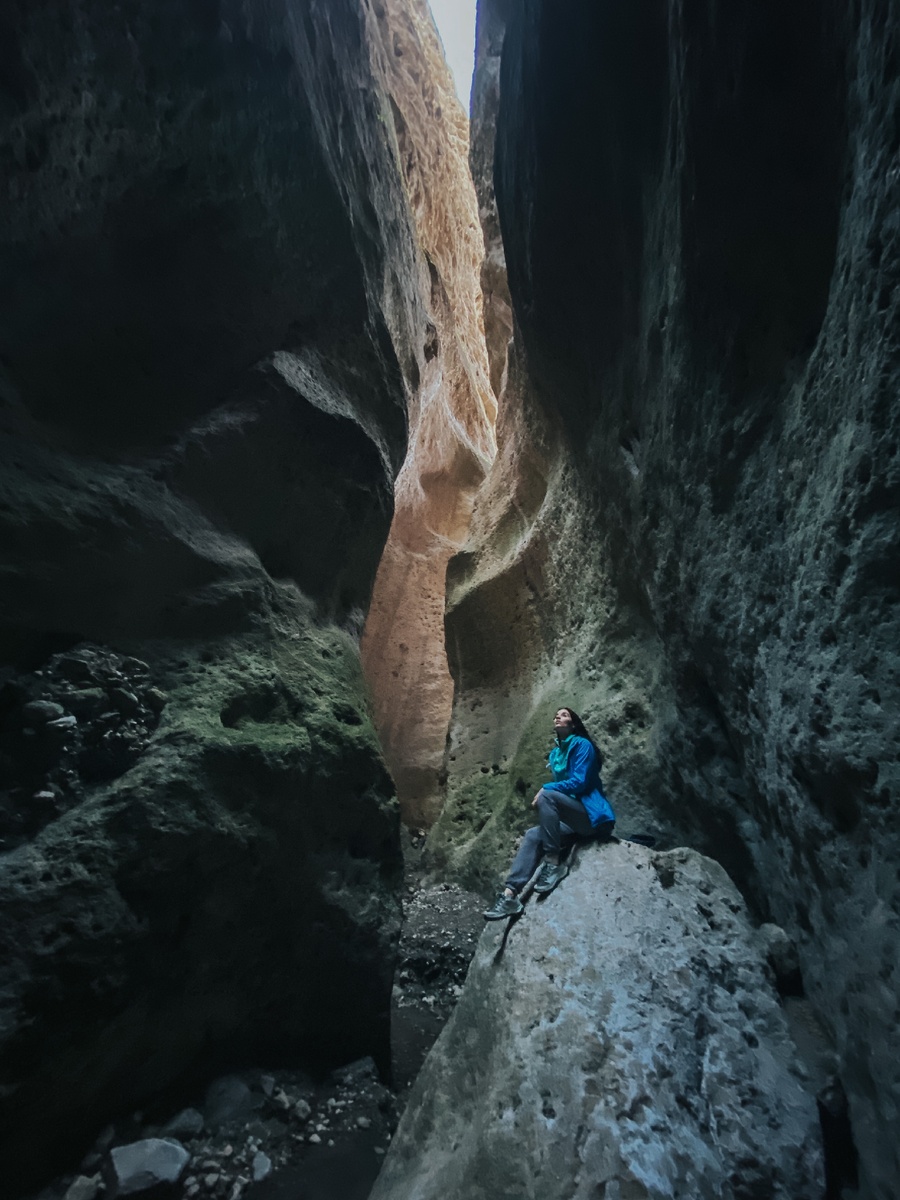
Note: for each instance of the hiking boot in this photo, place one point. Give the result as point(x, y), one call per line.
point(504, 906)
point(549, 876)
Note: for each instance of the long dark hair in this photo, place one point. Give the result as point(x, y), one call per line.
point(578, 728)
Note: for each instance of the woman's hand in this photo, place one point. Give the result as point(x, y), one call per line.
point(535, 800)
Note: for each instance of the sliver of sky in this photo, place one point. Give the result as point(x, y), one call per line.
point(455, 20)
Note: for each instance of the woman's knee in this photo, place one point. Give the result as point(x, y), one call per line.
point(545, 800)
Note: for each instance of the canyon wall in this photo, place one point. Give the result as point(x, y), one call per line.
point(452, 417)
point(216, 312)
point(691, 531)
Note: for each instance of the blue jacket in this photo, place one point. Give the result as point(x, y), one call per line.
point(576, 772)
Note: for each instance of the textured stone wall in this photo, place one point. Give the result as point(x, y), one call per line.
point(699, 554)
point(212, 323)
point(452, 416)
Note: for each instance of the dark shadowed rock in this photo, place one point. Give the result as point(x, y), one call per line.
point(186, 1124)
point(229, 1100)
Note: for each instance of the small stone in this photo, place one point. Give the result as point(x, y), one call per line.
point(211, 1179)
point(135, 666)
point(261, 1166)
point(228, 1099)
point(85, 701)
point(302, 1109)
point(356, 1073)
point(315, 1139)
point(364, 1122)
point(126, 702)
point(379, 1150)
point(40, 712)
point(155, 699)
point(331, 1141)
point(267, 1083)
point(63, 725)
point(83, 1187)
point(75, 669)
point(188, 1123)
point(145, 1164)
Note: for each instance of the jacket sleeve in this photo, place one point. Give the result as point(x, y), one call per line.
point(581, 759)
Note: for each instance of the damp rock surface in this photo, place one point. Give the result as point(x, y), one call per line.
point(625, 1036)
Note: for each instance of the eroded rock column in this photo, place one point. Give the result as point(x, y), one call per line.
point(452, 414)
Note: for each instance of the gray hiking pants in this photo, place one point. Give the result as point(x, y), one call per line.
point(563, 818)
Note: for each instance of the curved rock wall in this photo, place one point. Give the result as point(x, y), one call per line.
point(452, 416)
point(699, 214)
point(212, 322)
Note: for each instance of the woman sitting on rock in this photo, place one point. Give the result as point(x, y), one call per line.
point(573, 805)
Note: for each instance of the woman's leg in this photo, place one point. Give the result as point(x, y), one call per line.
point(526, 860)
point(555, 809)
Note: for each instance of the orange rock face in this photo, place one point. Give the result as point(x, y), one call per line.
point(452, 412)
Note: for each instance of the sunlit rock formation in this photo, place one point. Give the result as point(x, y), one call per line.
point(700, 547)
point(452, 415)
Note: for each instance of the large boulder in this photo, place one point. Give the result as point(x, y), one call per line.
point(625, 1040)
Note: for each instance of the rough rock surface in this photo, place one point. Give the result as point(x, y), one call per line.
point(699, 208)
point(212, 322)
point(147, 1164)
point(452, 415)
point(627, 1041)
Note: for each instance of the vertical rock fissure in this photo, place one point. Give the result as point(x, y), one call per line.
point(452, 414)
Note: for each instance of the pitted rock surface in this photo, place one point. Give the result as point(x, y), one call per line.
point(627, 1041)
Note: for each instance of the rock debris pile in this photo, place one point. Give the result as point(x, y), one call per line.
point(84, 718)
point(441, 927)
point(251, 1129)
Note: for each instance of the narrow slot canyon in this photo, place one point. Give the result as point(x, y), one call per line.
point(346, 437)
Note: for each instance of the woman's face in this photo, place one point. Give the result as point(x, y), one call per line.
point(562, 723)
